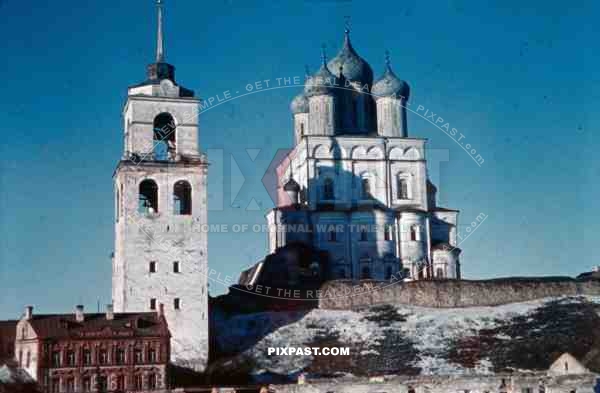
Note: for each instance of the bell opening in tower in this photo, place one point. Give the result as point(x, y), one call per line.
point(164, 146)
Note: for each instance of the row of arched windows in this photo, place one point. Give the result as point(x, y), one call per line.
point(403, 188)
point(148, 197)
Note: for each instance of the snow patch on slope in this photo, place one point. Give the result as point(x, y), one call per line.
point(429, 329)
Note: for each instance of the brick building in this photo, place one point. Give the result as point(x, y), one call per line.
point(98, 352)
point(7, 340)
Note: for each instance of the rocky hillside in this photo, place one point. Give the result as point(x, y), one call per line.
point(409, 340)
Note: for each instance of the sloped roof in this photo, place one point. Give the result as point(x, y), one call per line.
point(146, 324)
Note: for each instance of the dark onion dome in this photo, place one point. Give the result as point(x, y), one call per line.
point(323, 82)
point(389, 85)
point(354, 68)
point(299, 104)
point(291, 185)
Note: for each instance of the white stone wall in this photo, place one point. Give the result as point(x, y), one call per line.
point(300, 126)
point(139, 114)
point(446, 260)
point(322, 115)
point(163, 237)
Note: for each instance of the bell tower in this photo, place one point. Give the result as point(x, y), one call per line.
point(160, 196)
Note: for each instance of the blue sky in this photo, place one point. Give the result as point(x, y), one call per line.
point(518, 78)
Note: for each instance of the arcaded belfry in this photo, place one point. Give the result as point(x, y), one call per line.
point(359, 182)
point(160, 194)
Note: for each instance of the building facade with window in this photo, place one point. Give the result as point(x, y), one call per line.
point(98, 352)
point(160, 251)
point(356, 185)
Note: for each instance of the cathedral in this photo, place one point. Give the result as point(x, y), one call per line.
point(355, 185)
point(160, 257)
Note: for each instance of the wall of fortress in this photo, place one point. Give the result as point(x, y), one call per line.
point(347, 294)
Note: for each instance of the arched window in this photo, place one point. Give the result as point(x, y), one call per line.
point(388, 272)
point(152, 381)
point(182, 198)
point(328, 191)
point(388, 232)
point(148, 197)
point(365, 273)
point(415, 233)
point(365, 187)
point(164, 137)
point(301, 129)
point(331, 235)
point(439, 272)
point(402, 187)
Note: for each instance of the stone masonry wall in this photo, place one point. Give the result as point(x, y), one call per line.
point(346, 294)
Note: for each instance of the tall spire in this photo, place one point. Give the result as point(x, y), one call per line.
point(388, 63)
point(160, 46)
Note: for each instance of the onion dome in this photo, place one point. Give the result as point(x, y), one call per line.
point(291, 185)
point(323, 82)
point(354, 68)
point(389, 85)
point(299, 104)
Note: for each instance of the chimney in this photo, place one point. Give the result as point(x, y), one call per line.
point(79, 316)
point(28, 312)
point(161, 310)
point(110, 315)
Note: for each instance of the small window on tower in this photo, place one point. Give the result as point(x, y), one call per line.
point(148, 197)
point(176, 303)
point(153, 304)
point(176, 267)
point(182, 198)
point(152, 267)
